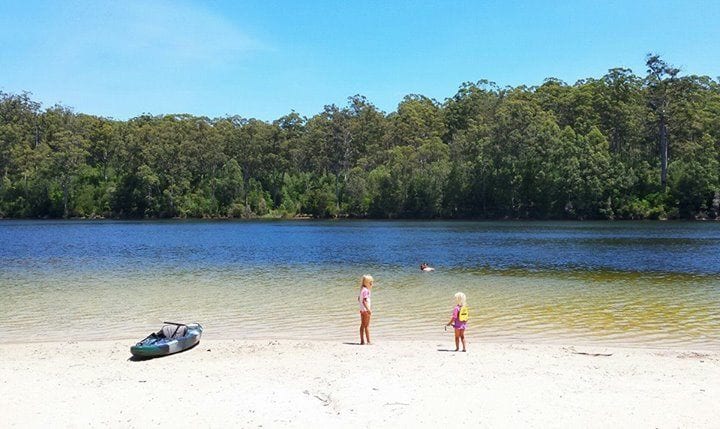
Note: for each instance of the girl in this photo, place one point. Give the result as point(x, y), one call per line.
point(366, 285)
point(459, 325)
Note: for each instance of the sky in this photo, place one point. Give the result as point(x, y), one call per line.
point(264, 59)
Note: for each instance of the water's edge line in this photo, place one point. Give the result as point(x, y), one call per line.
point(430, 343)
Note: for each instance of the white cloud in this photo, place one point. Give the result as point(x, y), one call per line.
point(158, 32)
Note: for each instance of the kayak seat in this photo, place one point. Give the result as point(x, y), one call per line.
point(172, 331)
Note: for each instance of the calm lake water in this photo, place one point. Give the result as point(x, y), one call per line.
point(645, 284)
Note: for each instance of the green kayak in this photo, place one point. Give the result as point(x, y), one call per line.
point(172, 338)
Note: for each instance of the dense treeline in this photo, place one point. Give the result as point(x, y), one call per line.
point(618, 147)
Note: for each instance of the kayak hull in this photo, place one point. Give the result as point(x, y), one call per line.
point(153, 346)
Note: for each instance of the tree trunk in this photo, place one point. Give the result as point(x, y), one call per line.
point(337, 193)
point(65, 192)
point(663, 152)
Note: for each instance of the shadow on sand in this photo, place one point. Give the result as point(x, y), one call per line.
point(143, 358)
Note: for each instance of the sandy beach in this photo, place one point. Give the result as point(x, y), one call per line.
point(291, 383)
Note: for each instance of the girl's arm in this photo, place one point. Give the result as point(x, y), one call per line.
point(367, 307)
point(452, 318)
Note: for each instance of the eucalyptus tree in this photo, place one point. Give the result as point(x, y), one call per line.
point(368, 127)
point(661, 83)
point(619, 104)
point(419, 158)
point(250, 144)
point(693, 171)
point(19, 140)
point(470, 115)
point(518, 146)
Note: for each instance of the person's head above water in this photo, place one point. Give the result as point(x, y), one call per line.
point(425, 267)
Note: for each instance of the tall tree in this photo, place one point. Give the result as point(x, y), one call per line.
point(661, 80)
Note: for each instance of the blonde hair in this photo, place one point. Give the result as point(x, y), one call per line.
point(461, 299)
point(367, 278)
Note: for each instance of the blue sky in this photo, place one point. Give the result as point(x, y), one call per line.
point(262, 59)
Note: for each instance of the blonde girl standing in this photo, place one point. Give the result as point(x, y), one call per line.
point(366, 284)
point(459, 320)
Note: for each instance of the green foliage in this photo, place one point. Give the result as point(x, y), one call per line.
point(321, 202)
point(257, 201)
point(618, 147)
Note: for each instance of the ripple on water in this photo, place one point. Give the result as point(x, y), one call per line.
point(565, 282)
point(543, 307)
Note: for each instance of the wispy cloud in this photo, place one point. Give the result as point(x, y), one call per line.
point(153, 31)
point(179, 31)
point(125, 56)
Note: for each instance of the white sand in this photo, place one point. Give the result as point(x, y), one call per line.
point(284, 383)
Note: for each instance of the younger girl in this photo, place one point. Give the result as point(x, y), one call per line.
point(459, 325)
point(366, 285)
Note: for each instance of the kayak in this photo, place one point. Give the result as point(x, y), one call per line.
point(172, 338)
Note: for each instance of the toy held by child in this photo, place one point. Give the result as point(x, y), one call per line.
point(460, 316)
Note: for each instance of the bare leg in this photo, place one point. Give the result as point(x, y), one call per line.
point(362, 327)
point(367, 327)
point(457, 339)
point(462, 338)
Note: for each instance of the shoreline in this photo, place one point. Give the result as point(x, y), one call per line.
point(474, 340)
point(351, 218)
point(324, 383)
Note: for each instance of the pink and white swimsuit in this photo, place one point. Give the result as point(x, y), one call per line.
point(364, 295)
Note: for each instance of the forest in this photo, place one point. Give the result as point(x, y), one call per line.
point(621, 146)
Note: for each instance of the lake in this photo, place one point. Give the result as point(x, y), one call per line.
point(649, 284)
